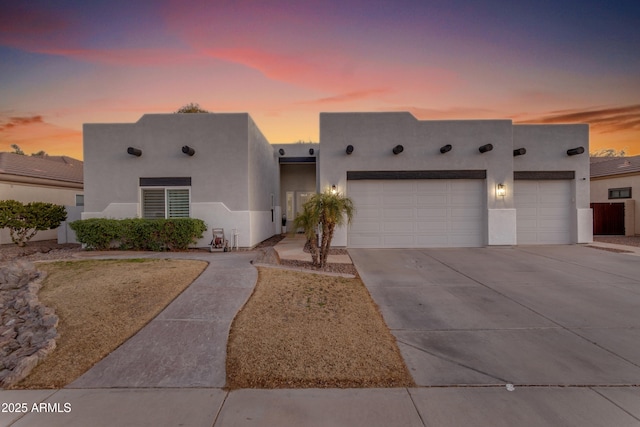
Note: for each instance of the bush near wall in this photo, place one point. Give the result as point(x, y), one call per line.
point(25, 220)
point(139, 233)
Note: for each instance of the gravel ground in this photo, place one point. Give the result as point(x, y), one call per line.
point(619, 240)
point(50, 250)
point(40, 250)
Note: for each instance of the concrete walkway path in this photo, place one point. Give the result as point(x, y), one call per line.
point(172, 372)
point(186, 344)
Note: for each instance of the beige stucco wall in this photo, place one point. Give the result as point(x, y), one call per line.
point(232, 172)
point(373, 136)
point(600, 194)
point(547, 147)
point(34, 193)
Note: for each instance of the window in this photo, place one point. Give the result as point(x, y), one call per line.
point(79, 199)
point(620, 193)
point(165, 202)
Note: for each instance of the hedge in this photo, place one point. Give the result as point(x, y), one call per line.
point(139, 233)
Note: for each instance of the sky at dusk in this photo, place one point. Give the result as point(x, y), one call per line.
point(66, 62)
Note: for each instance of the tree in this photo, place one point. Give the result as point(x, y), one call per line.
point(327, 210)
point(17, 149)
point(24, 221)
point(309, 223)
point(191, 108)
point(608, 152)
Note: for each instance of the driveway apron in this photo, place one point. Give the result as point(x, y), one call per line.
point(185, 345)
point(546, 315)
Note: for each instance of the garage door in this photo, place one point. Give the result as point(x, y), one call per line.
point(417, 213)
point(543, 212)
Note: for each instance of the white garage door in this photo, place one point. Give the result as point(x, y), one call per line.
point(543, 212)
point(417, 213)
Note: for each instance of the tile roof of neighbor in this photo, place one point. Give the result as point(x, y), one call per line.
point(609, 166)
point(57, 168)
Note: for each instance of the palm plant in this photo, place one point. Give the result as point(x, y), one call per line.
point(309, 223)
point(328, 210)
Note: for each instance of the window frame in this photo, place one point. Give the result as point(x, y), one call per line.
point(615, 193)
point(166, 199)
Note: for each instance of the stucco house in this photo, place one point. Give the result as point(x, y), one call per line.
point(615, 183)
point(415, 183)
point(50, 179)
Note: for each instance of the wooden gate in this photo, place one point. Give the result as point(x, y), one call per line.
point(608, 218)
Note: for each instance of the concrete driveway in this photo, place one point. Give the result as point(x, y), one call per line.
point(531, 315)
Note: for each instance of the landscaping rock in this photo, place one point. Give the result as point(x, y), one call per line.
point(267, 256)
point(27, 329)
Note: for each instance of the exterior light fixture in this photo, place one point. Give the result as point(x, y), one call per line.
point(188, 150)
point(485, 148)
point(398, 149)
point(445, 149)
point(134, 151)
point(349, 149)
point(311, 151)
point(334, 189)
point(281, 151)
point(574, 151)
point(501, 191)
point(519, 152)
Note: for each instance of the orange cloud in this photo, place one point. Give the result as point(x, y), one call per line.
point(603, 120)
point(12, 122)
point(33, 134)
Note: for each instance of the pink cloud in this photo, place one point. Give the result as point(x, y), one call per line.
point(24, 27)
point(134, 57)
point(337, 72)
point(348, 97)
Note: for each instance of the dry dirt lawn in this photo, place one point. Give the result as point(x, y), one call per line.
point(309, 330)
point(102, 303)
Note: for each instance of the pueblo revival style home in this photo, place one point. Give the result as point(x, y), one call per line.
point(414, 183)
point(615, 183)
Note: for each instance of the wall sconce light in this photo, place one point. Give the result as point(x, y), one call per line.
point(311, 151)
point(281, 151)
point(519, 152)
point(485, 148)
point(574, 151)
point(445, 149)
point(134, 151)
point(188, 150)
point(334, 189)
point(398, 149)
point(349, 149)
point(501, 191)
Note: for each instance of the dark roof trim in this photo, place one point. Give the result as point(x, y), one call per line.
point(543, 175)
point(297, 159)
point(166, 182)
point(424, 174)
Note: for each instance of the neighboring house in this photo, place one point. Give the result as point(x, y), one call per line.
point(51, 179)
point(615, 183)
point(414, 183)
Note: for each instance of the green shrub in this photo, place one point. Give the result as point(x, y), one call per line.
point(139, 233)
point(25, 220)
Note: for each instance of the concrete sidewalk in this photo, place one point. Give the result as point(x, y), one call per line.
point(172, 372)
point(292, 247)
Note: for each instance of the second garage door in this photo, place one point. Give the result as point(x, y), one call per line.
point(417, 213)
point(543, 211)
